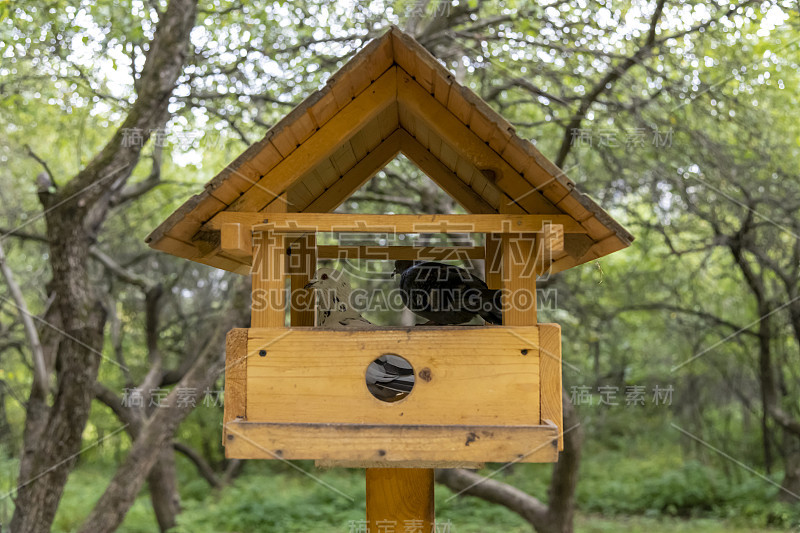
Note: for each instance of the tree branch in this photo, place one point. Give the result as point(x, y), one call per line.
point(40, 375)
point(606, 82)
point(203, 468)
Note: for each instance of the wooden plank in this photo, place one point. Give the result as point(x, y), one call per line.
point(448, 156)
point(550, 377)
point(441, 87)
point(398, 443)
point(596, 229)
point(357, 176)
point(389, 120)
point(443, 176)
point(268, 307)
point(519, 279)
point(343, 158)
point(325, 174)
point(388, 253)
point(234, 406)
point(236, 240)
point(324, 109)
point(302, 263)
point(184, 249)
point(553, 239)
point(458, 105)
point(356, 222)
point(347, 222)
point(325, 141)
point(453, 131)
point(494, 261)
point(391, 253)
point(597, 250)
point(399, 497)
point(465, 375)
point(362, 142)
point(329, 463)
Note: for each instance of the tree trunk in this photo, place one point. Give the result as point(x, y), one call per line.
point(46, 462)
point(163, 484)
point(561, 495)
point(791, 467)
point(74, 215)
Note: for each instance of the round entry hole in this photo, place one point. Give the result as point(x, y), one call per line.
point(390, 378)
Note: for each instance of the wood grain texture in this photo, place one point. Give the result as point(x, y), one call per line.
point(399, 497)
point(519, 279)
point(392, 81)
point(302, 263)
point(349, 222)
point(550, 377)
point(268, 308)
point(236, 240)
point(322, 144)
point(332, 463)
point(392, 444)
point(453, 130)
point(356, 176)
point(443, 176)
point(465, 375)
point(494, 261)
point(411, 253)
point(235, 404)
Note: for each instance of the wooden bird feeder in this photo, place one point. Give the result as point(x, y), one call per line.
point(482, 394)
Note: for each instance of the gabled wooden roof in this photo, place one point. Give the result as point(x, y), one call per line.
point(392, 97)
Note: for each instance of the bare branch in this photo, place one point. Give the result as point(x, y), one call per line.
point(40, 376)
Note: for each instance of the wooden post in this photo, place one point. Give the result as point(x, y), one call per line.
point(302, 264)
point(519, 279)
point(400, 499)
point(269, 290)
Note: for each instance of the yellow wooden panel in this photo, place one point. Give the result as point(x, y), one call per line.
point(388, 120)
point(465, 375)
point(443, 176)
point(356, 442)
point(494, 261)
point(395, 497)
point(325, 140)
point(235, 377)
point(343, 158)
point(453, 131)
point(346, 222)
point(358, 175)
point(550, 377)
point(268, 308)
point(519, 279)
point(410, 253)
point(236, 240)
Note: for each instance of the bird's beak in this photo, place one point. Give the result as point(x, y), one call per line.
point(310, 285)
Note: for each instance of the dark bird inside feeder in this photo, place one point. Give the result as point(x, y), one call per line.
point(446, 294)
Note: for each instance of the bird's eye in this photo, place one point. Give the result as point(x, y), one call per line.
point(324, 277)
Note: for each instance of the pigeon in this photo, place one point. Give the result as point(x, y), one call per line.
point(446, 294)
point(390, 377)
point(333, 301)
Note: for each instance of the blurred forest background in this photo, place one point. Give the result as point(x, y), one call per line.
point(683, 350)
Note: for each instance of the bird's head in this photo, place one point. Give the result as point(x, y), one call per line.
point(328, 278)
point(401, 265)
point(332, 289)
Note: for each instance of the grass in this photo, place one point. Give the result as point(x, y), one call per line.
point(653, 491)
